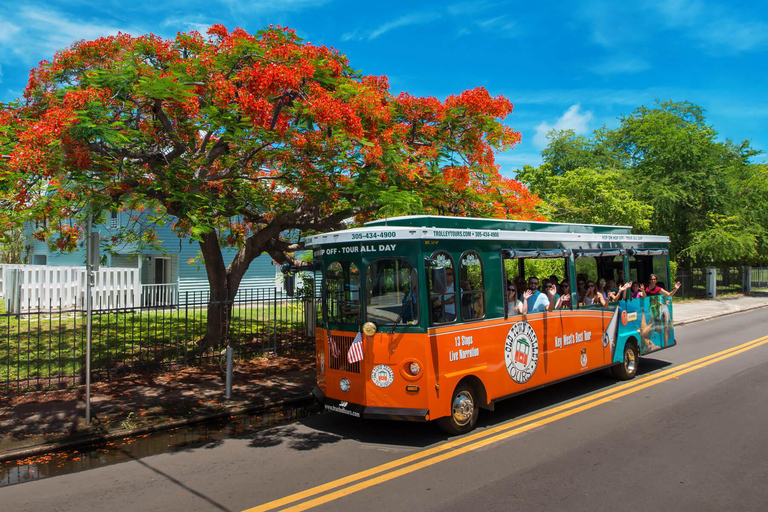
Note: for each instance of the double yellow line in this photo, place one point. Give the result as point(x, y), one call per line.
point(462, 445)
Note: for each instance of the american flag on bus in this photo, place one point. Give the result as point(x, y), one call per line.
point(332, 346)
point(355, 353)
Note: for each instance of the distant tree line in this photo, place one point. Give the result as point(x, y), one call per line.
point(662, 171)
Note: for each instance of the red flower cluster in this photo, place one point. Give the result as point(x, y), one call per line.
point(234, 125)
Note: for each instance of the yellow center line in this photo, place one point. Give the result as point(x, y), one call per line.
point(493, 435)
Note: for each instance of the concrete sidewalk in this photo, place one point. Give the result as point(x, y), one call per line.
point(697, 310)
point(38, 422)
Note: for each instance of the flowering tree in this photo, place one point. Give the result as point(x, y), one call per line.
point(244, 140)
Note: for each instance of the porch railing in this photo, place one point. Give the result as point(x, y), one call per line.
point(159, 295)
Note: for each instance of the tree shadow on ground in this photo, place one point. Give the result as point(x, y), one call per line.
point(142, 400)
point(293, 438)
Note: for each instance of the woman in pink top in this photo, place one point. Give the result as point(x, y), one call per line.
point(654, 289)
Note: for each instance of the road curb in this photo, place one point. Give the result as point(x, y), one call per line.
point(718, 315)
point(94, 439)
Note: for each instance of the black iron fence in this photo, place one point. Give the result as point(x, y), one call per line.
point(728, 281)
point(44, 346)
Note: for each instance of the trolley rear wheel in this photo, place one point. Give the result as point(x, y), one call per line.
point(627, 369)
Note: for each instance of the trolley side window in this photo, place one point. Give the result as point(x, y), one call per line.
point(391, 292)
point(472, 286)
point(442, 306)
point(342, 292)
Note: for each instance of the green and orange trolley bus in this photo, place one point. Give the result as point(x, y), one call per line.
point(416, 323)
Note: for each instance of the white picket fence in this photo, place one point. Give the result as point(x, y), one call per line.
point(26, 287)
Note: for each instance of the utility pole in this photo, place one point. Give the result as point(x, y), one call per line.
point(91, 266)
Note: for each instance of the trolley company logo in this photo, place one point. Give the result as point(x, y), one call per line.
point(383, 376)
point(584, 357)
point(521, 352)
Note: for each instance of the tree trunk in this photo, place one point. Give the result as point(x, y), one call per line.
point(219, 303)
point(223, 284)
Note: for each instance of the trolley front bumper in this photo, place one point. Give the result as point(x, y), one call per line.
point(370, 413)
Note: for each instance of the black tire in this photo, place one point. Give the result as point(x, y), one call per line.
point(465, 409)
point(627, 369)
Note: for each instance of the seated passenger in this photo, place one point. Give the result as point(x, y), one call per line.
point(636, 291)
point(521, 285)
point(564, 300)
point(592, 296)
point(601, 284)
point(550, 289)
point(515, 306)
point(447, 301)
point(653, 288)
point(620, 293)
point(580, 288)
point(537, 302)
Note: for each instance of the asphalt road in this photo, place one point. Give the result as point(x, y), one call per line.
point(680, 436)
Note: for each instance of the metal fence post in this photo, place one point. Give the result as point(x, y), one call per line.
point(186, 325)
point(228, 386)
point(746, 279)
point(274, 323)
point(710, 282)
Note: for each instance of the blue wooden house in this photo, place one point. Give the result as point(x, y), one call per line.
point(166, 273)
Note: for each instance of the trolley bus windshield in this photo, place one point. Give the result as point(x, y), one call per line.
point(391, 295)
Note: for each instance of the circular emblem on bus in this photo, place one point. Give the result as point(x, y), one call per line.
point(584, 357)
point(521, 352)
point(383, 376)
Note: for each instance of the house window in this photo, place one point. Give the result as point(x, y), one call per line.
point(114, 221)
point(40, 259)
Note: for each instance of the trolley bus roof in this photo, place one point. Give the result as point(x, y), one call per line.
point(460, 228)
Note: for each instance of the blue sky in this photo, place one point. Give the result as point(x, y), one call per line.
point(578, 64)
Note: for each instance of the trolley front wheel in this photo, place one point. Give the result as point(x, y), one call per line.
point(465, 409)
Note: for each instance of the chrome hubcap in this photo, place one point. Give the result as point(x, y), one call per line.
point(630, 361)
point(463, 408)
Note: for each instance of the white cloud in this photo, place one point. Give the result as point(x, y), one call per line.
point(500, 25)
point(718, 29)
point(38, 33)
point(243, 7)
point(714, 27)
point(188, 24)
point(621, 66)
point(731, 36)
point(470, 7)
point(7, 31)
point(12, 94)
point(404, 21)
point(572, 119)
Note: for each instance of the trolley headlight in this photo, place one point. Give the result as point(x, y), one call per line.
point(369, 328)
point(344, 385)
point(414, 368)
